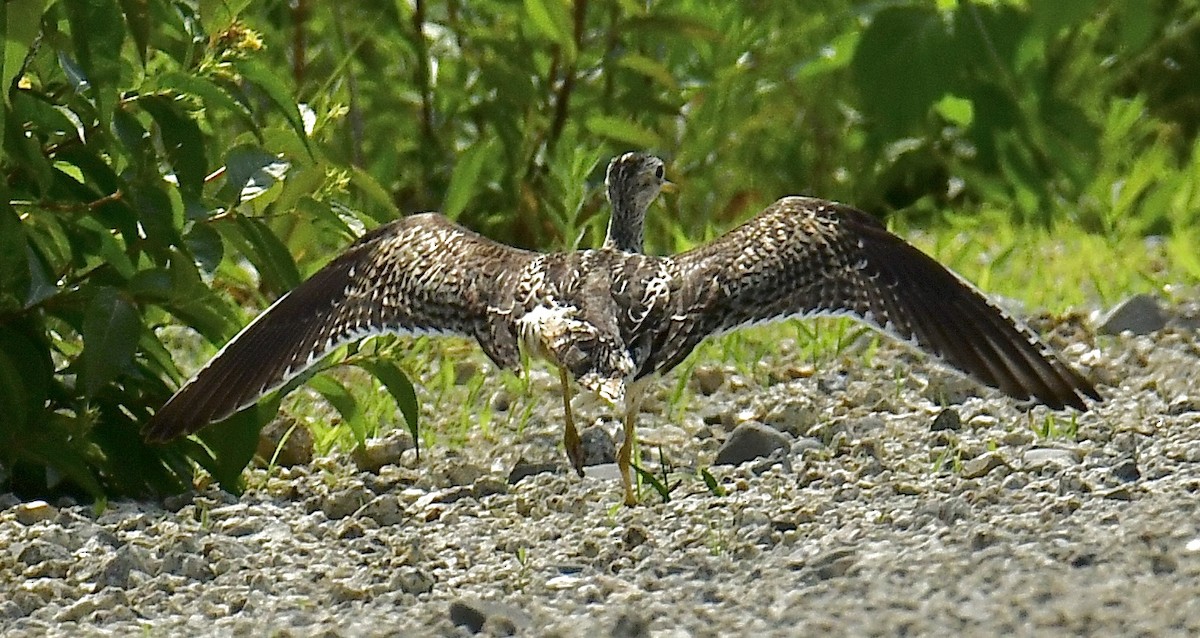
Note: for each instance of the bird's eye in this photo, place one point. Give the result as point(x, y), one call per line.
point(658, 172)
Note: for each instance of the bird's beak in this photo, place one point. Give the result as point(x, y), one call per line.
point(670, 187)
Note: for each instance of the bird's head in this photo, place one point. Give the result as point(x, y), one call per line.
point(633, 181)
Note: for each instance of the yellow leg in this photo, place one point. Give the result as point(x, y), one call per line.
point(633, 401)
point(571, 441)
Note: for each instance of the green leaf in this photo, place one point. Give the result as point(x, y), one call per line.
point(904, 62)
point(958, 111)
point(401, 389)
point(98, 33)
point(651, 68)
point(269, 83)
point(376, 193)
point(623, 131)
point(344, 402)
point(464, 182)
point(553, 19)
point(205, 245)
point(137, 16)
point(663, 491)
point(22, 23)
point(183, 142)
point(111, 329)
point(258, 243)
point(25, 379)
point(249, 172)
point(234, 441)
point(714, 487)
point(14, 261)
point(216, 99)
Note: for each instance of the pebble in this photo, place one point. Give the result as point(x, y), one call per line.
point(1138, 315)
point(751, 440)
point(865, 534)
point(35, 512)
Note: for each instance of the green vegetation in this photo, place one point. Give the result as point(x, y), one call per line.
point(172, 166)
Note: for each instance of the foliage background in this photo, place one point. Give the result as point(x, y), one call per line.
point(181, 163)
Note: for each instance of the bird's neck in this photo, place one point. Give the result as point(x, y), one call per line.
point(625, 227)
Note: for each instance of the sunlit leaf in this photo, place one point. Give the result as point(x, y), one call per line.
point(401, 389)
point(465, 181)
point(624, 131)
point(280, 95)
point(344, 402)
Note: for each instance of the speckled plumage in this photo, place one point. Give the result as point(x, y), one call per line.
point(610, 317)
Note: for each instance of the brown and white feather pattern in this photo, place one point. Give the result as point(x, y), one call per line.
point(609, 316)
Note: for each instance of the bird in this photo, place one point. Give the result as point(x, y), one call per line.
point(613, 318)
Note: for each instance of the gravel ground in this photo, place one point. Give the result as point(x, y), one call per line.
point(901, 500)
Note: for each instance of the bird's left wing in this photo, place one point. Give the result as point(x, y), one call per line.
point(806, 257)
point(419, 274)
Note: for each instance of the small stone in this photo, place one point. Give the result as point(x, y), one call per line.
point(1041, 457)
point(631, 625)
point(501, 401)
point(708, 379)
point(35, 512)
point(524, 468)
point(377, 453)
point(1127, 471)
point(345, 502)
point(464, 371)
point(39, 551)
point(1139, 315)
point(751, 440)
point(794, 416)
point(500, 618)
point(982, 465)
point(488, 486)
point(947, 419)
point(411, 580)
point(598, 446)
point(285, 442)
point(384, 509)
point(1182, 405)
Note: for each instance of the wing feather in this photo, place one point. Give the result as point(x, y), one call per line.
point(804, 257)
point(419, 274)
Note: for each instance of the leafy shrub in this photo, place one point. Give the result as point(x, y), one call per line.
point(171, 163)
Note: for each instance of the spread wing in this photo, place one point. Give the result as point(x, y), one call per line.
point(419, 274)
point(806, 257)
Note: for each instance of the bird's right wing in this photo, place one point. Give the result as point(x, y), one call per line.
point(807, 257)
point(419, 274)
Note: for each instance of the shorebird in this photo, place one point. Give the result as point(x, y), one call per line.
point(611, 319)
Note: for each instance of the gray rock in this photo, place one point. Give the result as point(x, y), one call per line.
point(1139, 315)
point(598, 446)
point(793, 416)
point(524, 468)
point(35, 512)
point(708, 378)
point(631, 624)
point(384, 509)
point(411, 580)
point(1127, 471)
point(377, 453)
point(39, 551)
point(947, 419)
point(488, 486)
point(285, 442)
point(1038, 458)
point(750, 440)
point(982, 465)
point(500, 619)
